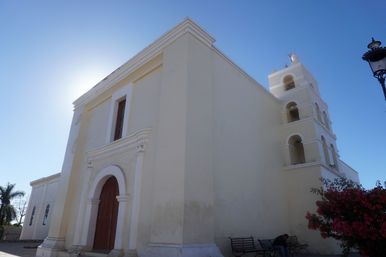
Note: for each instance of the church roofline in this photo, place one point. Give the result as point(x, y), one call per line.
point(186, 26)
point(45, 179)
point(344, 163)
point(244, 73)
point(286, 69)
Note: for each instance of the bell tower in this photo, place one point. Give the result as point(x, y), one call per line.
point(306, 129)
point(309, 145)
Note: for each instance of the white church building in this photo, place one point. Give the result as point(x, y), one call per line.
point(179, 149)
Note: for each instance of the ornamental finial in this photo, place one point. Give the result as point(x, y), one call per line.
point(374, 44)
point(294, 58)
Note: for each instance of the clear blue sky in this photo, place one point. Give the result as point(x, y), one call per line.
point(53, 51)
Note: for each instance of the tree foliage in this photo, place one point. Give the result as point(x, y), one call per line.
point(20, 204)
point(351, 214)
point(7, 210)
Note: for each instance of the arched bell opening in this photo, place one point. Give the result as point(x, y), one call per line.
point(325, 151)
point(296, 150)
point(289, 82)
point(292, 112)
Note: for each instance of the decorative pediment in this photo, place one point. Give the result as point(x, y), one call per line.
point(136, 140)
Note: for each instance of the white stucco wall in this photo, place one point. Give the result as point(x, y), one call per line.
point(349, 172)
point(247, 158)
point(97, 125)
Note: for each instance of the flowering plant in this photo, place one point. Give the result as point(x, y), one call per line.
point(353, 215)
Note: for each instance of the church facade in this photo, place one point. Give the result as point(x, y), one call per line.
point(179, 148)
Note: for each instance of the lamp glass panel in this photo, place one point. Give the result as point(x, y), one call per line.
point(378, 65)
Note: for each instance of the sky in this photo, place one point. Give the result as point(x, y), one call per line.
point(51, 52)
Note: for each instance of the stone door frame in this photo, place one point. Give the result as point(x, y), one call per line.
point(93, 204)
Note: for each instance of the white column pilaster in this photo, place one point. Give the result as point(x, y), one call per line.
point(122, 200)
point(82, 206)
point(89, 222)
point(136, 197)
point(56, 236)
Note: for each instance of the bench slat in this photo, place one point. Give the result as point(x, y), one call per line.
point(243, 245)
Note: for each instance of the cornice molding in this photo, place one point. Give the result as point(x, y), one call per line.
point(307, 119)
point(286, 69)
point(136, 140)
point(151, 51)
point(301, 165)
point(297, 122)
point(45, 179)
point(345, 164)
point(310, 164)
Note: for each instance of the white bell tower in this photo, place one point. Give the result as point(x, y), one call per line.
point(307, 133)
point(309, 145)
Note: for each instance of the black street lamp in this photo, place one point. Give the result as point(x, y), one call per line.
point(376, 57)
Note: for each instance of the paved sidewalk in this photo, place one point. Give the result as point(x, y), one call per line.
point(23, 249)
point(28, 249)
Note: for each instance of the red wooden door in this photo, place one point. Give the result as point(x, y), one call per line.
point(107, 216)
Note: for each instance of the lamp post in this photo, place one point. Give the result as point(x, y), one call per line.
point(376, 57)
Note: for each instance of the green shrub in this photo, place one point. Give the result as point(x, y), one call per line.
point(1, 231)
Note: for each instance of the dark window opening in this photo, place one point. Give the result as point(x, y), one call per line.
point(32, 216)
point(46, 214)
point(119, 121)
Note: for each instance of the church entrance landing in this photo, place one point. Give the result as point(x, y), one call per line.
point(106, 223)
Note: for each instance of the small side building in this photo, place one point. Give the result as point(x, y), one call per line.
point(40, 206)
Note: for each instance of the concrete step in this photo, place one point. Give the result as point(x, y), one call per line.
point(94, 254)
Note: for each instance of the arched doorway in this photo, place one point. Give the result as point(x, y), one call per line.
point(106, 223)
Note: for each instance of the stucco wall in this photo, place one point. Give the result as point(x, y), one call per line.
point(97, 125)
point(300, 200)
point(247, 158)
point(349, 172)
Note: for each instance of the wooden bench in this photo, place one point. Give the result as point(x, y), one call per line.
point(267, 245)
point(244, 245)
point(293, 245)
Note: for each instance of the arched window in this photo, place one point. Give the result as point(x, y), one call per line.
point(325, 151)
point(32, 216)
point(318, 112)
point(292, 112)
point(288, 82)
point(46, 214)
point(334, 156)
point(326, 120)
point(296, 150)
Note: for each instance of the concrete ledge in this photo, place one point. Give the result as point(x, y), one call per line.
point(51, 247)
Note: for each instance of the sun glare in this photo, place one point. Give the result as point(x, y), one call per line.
point(84, 81)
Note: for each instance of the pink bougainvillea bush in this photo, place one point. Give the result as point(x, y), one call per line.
point(353, 215)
